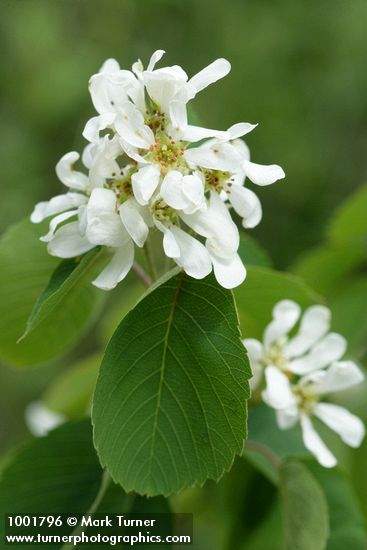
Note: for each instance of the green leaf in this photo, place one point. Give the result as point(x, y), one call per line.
point(25, 270)
point(328, 268)
point(349, 315)
point(123, 299)
point(268, 533)
point(264, 429)
point(347, 529)
point(262, 289)
point(61, 474)
point(170, 403)
point(266, 439)
point(71, 392)
point(56, 474)
point(349, 224)
point(251, 252)
point(305, 512)
point(64, 285)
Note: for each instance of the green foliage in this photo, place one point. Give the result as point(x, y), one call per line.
point(328, 268)
point(64, 287)
point(54, 474)
point(252, 253)
point(25, 269)
point(349, 315)
point(349, 224)
point(347, 529)
point(269, 532)
point(170, 403)
point(60, 473)
point(266, 440)
point(305, 513)
point(71, 392)
point(264, 287)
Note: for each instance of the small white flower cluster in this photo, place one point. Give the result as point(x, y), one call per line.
point(145, 170)
point(301, 369)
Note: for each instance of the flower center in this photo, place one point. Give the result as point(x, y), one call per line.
point(156, 121)
point(163, 213)
point(306, 396)
point(217, 180)
point(121, 185)
point(168, 154)
point(275, 356)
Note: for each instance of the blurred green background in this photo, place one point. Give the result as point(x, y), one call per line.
point(298, 69)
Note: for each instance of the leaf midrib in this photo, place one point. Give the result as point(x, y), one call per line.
point(163, 366)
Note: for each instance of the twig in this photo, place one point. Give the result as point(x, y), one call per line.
point(150, 262)
point(93, 508)
point(140, 273)
point(265, 451)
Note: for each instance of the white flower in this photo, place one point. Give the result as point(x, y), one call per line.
point(302, 368)
point(312, 347)
point(40, 419)
point(105, 227)
point(145, 172)
point(298, 402)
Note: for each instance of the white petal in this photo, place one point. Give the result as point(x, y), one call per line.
point(145, 182)
point(101, 201)
point(340, 376)
point(117, 269)
point(178, 116)
point(172, 192)
point(109, 89)
point(130, 126)
point(331, 348)
point(240, 129)
point(278, 393)
point(103, 160)
point(110, 66)
point(68, 176)
point(82, 219)
point(55, 222)
point(157, 56)
point(262, 174)
point(255, 352)
point(314, 324)
point(57, 204)
point(223, 240)
point(241, 148)
point(246, 204)
point(68, 242)
point(40, 420)
point(254, 348)
point(134, 222)
point(194, 257)
point(350, 428)
point(108, 230)
point(229, 272)
point(197, 133)
point(170, 245)
point(165, 85)
point(193, 189)
point(210, 74)
point(287, 418)
point(285, 315)
point(132, 152)
point(104, 225)
point(96, 124)
point(315, 445)
point(215, 155)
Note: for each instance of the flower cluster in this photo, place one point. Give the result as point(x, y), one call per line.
point(148, 167)
point(299, 370)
